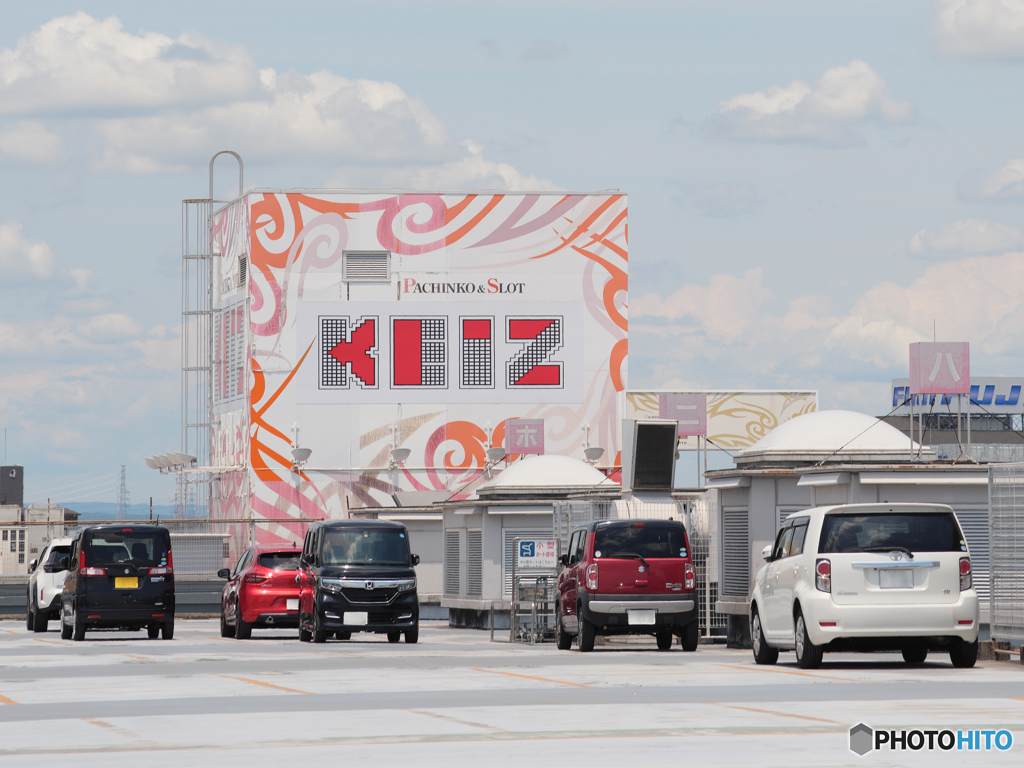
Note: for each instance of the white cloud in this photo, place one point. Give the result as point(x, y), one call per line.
point(110, 326)
point(966, 238)
point(78, 64)
point(1006, 183)
point(29, 142)
point(20, 258)
point(981, 29)
point(822, 113)
point(723, 200)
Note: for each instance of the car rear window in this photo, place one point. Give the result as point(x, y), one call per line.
point(139, 548)
point(918, 532)
point(645, 541)
point(346, 546)
point(280, 561)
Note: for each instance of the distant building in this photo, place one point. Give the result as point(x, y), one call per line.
point(25, 532)
point(12, 486)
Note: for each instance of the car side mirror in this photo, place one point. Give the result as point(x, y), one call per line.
point(563, 560)
point(64, 563)
point(224, 573)
point(415, 559)
point(32, 565)
point(766, 553)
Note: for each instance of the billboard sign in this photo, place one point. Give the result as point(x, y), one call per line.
point(940, 368)
point(690, 410)
point(997, 394)
point(536, 554)
point(524, 436)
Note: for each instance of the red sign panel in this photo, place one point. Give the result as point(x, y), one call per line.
point(940, 368)
point(524, 435)
point(690, 410)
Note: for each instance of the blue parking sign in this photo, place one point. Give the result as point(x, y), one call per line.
point(526, 549)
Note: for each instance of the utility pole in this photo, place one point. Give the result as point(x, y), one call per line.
point(122, 498)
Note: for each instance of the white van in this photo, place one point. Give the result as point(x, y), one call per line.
point(45, 584)
point(867, 577)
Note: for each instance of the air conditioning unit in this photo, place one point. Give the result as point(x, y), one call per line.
point(649, 454)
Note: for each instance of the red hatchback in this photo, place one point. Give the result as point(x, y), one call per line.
point(628, 577)
point(262, 591)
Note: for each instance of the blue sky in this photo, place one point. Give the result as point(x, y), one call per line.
point(811, 184)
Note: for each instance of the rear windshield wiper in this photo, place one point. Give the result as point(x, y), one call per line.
point(904, 550)
point(629, 556)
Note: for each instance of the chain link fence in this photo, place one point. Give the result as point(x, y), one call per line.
point(700, 515)
point(1006, 551)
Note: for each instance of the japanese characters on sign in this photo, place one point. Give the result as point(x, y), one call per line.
point(940, 368)
point(537, 553)
point(690, 410)
point(524, 436)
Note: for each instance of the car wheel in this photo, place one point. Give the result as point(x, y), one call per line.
point(78, 627)
point(763, 653)
point(65, 628)
point(225, 629)
point(563, 640)
point(963, 655)
point(153, 630)
point(915, 654)
point(587, 634)
point(39, 621)
point(29, 619)
point(319, 633)
point(412, 635)
point(243, 629)
point(808, 655)
point(305, 635)
point(394, 637)
point(690, 638)
point(664, 639)
point(341, 635)
point(168, 630)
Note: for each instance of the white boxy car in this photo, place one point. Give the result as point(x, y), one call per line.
point(866, 577)
point(45, 585)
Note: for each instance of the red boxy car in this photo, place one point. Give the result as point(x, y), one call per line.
point(262, 591)
point(628, 577)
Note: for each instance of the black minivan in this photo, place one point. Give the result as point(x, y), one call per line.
point(357, 576)
point(119, 577)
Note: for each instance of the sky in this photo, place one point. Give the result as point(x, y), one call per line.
point(812, 185)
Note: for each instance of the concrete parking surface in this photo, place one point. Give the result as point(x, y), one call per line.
point(456, 698)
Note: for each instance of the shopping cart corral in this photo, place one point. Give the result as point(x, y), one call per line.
point(534, 582)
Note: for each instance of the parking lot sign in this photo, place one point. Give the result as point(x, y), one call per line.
point(537, 553)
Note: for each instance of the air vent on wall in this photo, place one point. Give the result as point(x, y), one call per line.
point(367, 267)
point(242, 269)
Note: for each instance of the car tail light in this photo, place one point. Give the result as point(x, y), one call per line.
point(164, 569)
point(93, 572)
point(592, 577)
point(965, 573)
point(689, 577)
point(823, 575)
point(255, 578)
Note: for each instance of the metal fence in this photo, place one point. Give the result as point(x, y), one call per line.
point(1006, 553)
point(700, 516)
point(200, 547)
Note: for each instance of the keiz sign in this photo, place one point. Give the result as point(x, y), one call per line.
point(423, 352)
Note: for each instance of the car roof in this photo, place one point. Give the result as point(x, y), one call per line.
point(270, 549)
point(873, 509)
point(628, 522)
point(62, 542)
point(359, 524)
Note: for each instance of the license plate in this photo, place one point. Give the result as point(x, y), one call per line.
point(356, 618)
point(640, 617)
point(292, 605)
point(126, 582)
point(895, 578)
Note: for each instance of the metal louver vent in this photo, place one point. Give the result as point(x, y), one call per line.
point(975, 525)
point(735, 553)
point(243, 266)
point(475, 563)
point(451, 563)
point(367, 267)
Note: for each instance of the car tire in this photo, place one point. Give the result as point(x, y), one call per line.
point(168, 630)
point(690, 639)
point(65, 629)
point(412, 635)
point(29, 618)
point(39, 621)
point(226, 630)
point(319, 633)
point(153, 630)
point(77, 627)
point(588, 633)
point(963, 655)
point(394, 637)
point(915, 654)
point(763, 653)
point(563, 640)
point(305, 635)
point(342, 635)
point(243, 629)
point(664, 639)
point(808, 655)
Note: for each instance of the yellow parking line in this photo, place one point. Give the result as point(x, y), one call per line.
point(5, 700)
point(531, 677)
point(265, 685)
point(780, 714)
point(51, 642)
point(792, 672)
point(454, 719)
